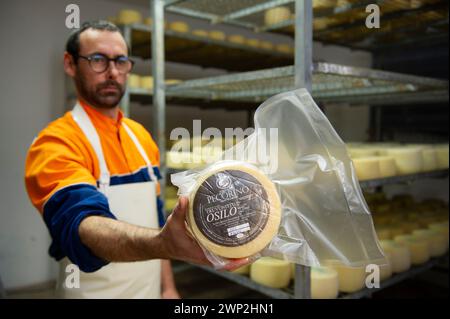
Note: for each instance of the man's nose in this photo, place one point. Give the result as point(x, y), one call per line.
point(112, 70)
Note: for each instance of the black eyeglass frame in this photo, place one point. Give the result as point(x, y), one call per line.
point(90, 58)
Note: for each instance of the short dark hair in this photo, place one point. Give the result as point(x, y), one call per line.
point(73, 43)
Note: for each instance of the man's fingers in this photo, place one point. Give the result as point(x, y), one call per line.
point(180, 210)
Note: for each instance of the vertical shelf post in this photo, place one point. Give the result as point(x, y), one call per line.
point(303, 79)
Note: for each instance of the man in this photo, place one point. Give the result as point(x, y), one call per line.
point(92, 174)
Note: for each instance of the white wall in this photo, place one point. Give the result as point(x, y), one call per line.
point(33, 36)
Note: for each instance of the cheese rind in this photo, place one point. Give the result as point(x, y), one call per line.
point(234, 209)
point(271, 272)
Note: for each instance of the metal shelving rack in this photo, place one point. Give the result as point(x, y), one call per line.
point(337, 83)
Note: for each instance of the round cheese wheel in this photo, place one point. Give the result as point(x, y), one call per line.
point(387, 166)
point(418, 248)
point(324, 283)
point(179, 26)
point(277, 15)
point(386, 268)
point(429, 159)
point(172, 81)
point(324, 4)
point(234, 209)
point(129, 16)
point(271, 272)
point(351, 279)
point(244, 270)
point(217, 35)
point(284, 48)
point(437, 243)
point(134, 81)
point(236, 38)
point(358, 152)
point(367, 168)
point(252, 43)
point(408, 160)
point(148, 21)
point(383, 233)
point(442, 228)
point(146, 82)
point(399, 255)
point(266, 45)
point(442, 156)
point(200, 33)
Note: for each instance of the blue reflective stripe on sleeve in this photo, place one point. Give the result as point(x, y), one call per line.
point(161, 215)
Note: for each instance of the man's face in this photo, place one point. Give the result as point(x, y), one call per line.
point(102, 90)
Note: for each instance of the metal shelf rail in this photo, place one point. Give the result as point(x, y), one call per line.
point(335, 22)
point(288, 293)
point(331, 83)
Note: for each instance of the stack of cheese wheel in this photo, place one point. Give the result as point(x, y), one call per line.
point(271, 272)
point(179, 26)
point(324, 4)
point(234, 209)
point(367, 168)
point(399, 255)
point(277, 15)
point(430, 162)
point(134, 81)
point(387, 166)
point(217, 35)
point(437, 243)
point(418, 248)
point(442, 156)
point(351, 279)
point(236, 38)
point(408, 160)
point(284, 48)
point(200, 33)
point(386, 267)
point(129, 17)
point(254, 43)
point(324, 283)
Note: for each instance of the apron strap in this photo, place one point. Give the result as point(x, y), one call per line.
point(141, 151)
point(84, 122)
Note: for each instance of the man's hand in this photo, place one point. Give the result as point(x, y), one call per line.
point(171, 293)
point(177, 242)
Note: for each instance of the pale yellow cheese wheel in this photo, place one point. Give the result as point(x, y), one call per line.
point(284, 48)
point(408, 160)
point(217, 35)
point(324, 4)
point(437, 243)
point(200, 33)
point(172, 81)
point(244, 270)
point(429, 159)
point(442, 156)
point(324, 283)
point(351, 279)
point(358, 152)
point(387, 166)
point(129, 17)
point(179, 26)
point(386, 268)
point(148, 21)
point(419, 248)
point(236, 38)
point(399, 255)
point(252, 43)
point(277, 15)
point(146, 82)
point(383, 233)
point(220, 226)
point(271, 272)
point(266, 45)
point(134, 81)
point(367, 168)
point(442, 228)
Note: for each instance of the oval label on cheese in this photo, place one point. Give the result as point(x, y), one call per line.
point(232, 208)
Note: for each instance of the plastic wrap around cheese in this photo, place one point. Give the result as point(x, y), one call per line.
point(234, 209)
point(418, 248)
point(324, 283)
point(271, 272)
point(351, 279)
point(408, 160)
point(399, 255)
point(367, 168)
point(129, 17)
point(277, 15)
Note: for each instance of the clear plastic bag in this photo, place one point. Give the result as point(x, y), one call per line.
point(324, 217)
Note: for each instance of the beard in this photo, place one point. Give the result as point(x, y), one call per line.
point(98, 97)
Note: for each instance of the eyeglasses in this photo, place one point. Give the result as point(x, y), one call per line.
point(99, 63)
